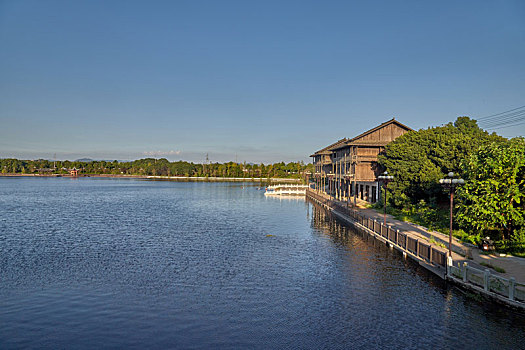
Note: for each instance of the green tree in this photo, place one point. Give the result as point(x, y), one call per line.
point(418, 159)
point(493, 198)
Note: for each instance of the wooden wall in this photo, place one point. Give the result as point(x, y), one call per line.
point(387, 133)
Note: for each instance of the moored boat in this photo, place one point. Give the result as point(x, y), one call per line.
point(286, 189)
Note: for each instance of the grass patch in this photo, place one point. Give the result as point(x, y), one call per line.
point(435, 219)
point(433, 241)
point(496, 268)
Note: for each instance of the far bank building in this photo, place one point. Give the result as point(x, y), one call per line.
point(349, 167)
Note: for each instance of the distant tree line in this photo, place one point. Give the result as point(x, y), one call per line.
point(157, 167)
point(492, 201)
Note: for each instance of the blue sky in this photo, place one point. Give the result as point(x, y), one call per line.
point(256, 81)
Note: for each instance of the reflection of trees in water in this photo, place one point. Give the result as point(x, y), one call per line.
point(365, 247)
point(325, 223)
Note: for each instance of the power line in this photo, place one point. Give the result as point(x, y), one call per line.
point(512, 119)
point(508, 126)
point(504, 117)
point(497, 114)
point(505, 120)
point(504, 125)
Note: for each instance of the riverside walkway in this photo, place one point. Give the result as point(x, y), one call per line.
point(513, 266)
point(463, 255)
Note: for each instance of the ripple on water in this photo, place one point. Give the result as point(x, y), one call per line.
point(127, 263)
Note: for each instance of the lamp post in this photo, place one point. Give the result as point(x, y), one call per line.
point(450, 184)
point(385, 179)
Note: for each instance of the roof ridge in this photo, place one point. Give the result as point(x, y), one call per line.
point(344, 139)
point(379, 126)
point(347, 141)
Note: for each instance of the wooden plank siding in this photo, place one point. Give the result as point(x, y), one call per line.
point(355, 159)
point(386, 132)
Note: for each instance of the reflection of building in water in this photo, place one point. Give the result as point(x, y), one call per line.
point(349, 167)
point(357, 241)
point(287, 197)
point(324, 222)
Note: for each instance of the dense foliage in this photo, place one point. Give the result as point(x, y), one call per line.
point(419, 159)
point(492, 200)
point(158, 167)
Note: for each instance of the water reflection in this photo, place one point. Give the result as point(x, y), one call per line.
point(460, 312)
point(286, 197)
point(131, 263)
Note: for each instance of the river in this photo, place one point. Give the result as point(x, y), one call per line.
point(130, 263)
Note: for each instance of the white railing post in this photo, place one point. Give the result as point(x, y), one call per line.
point(512, 287)
point(465, 267)
point(486, 278)
point(449, 264)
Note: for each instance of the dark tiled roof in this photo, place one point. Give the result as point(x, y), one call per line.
point(327, 149)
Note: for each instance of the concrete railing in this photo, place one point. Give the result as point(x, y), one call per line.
point(505, 287)
point(416, 246)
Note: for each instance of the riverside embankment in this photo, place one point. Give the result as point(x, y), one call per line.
point(179, 178)
point(467, 268)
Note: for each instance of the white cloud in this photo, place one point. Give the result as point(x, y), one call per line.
point(161, 153)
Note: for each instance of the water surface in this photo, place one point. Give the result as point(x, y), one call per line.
point(128, 263)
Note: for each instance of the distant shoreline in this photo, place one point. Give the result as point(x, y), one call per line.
point(151, 177)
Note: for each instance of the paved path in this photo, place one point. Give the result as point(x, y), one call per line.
point(514, 266)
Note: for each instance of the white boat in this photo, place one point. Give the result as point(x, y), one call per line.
point(286, 189)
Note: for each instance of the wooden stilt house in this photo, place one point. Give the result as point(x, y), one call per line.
point(353, 163)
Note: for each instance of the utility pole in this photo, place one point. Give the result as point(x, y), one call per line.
point(205, 165)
